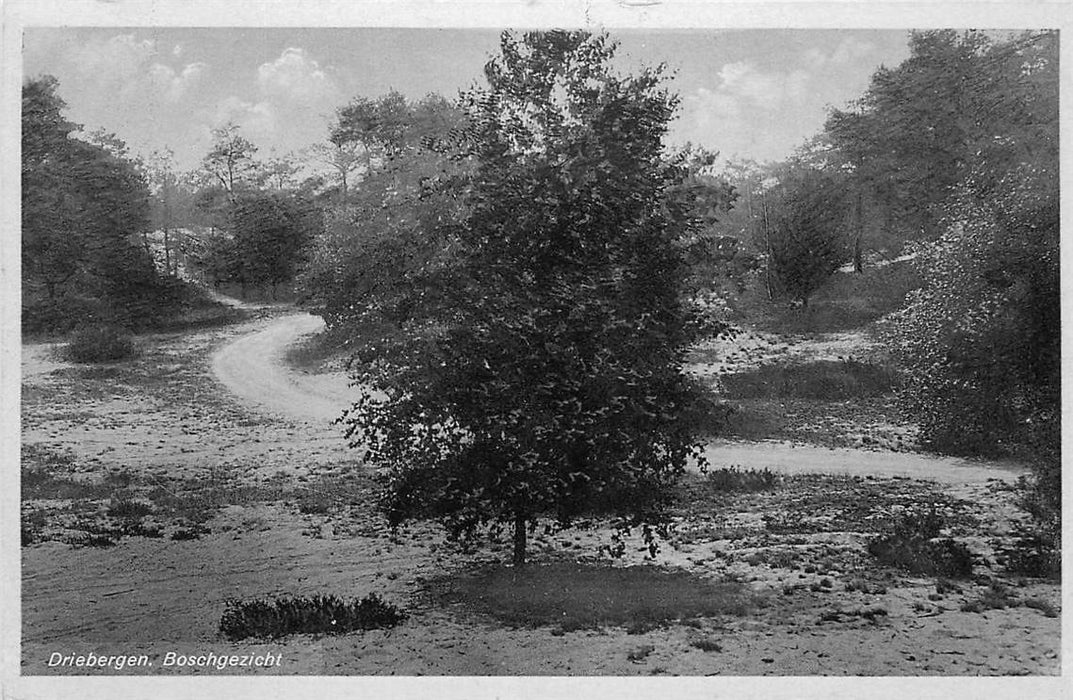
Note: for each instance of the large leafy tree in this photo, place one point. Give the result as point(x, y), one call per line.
point(82, 206)
point(922, 127)
point(544, 375)
point(270, 234)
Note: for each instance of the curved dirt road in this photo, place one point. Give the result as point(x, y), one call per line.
point(254, 369)
point(810, 459)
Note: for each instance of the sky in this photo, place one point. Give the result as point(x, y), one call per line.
point(746, 93)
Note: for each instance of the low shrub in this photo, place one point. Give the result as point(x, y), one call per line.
point(730, 479)
point(124, 508)
point(1033, 556)
point(640, 653)
point(995, 597)
point(314, 615)
point(192, 532)
point(913, 544)
point(706, 644)
point(1043, 606)
point(100, 343)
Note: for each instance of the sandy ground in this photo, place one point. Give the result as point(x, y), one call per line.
point(222, 402)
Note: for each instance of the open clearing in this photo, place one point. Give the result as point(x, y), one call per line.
point(249, 492)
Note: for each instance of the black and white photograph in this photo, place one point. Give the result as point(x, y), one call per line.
point(515, 348)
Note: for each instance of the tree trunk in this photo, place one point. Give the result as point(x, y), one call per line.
point(167, 252)
point(519, 540)
point(858, 254)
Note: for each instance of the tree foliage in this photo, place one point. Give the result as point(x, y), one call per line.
point(82, 206)
point(805, 231)
point(538, 371)
point(958, 100)
point(981, 339)
point(394, 227)
point(230, 162)
point(270, 234)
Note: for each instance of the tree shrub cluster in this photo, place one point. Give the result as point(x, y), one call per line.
point(537, 367)
point(981, 340)
point(82, 208)
point(265, 242)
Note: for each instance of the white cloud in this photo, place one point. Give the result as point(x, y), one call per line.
point(293, 96)
point(257, 120)
point(847, 52)
point(133, 70)
point(745, 112)
point(113, 60)
point(769, 90)
point(173, 86)
point(297, 77)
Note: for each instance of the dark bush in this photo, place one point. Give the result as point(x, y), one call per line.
point(913, 544)
point(316, 615)
point(1033, 556)
point(123, 508)
point(193, 532)
point(100, 343)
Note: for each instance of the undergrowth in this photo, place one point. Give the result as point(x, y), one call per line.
point(322, 614)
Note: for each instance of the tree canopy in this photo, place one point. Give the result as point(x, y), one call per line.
point(539, 371)
point(82, 205)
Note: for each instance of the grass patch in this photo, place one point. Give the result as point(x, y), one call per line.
point(577, 596)
point(754, 420)
point(322, 614)
point(823, 380)
point(731, 479)
point(313, 352)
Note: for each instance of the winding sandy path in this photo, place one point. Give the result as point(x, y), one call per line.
point(810, 459)
point(254, 369)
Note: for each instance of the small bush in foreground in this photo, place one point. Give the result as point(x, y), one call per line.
point(315, 615)
point(100, 343)
point(578, 596)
